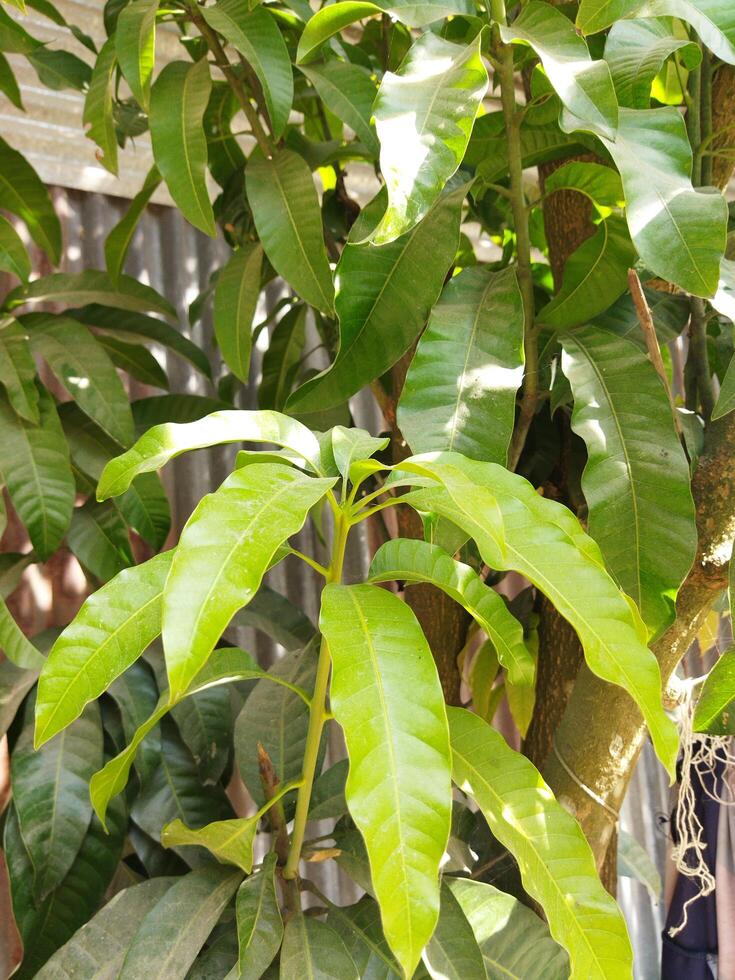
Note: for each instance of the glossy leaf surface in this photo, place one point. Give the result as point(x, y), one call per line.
point(259, 923)
point(235, 299)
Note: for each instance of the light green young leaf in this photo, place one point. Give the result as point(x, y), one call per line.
point(164, 442)
point(98, 539)
point(91, 286)
point(283, 199)
point(556, 864)
point(460, 390)
point(259, 923)
point(178, 100)
point(171, 935)
point(452, 952)
point(255, 35)
point(584, 86)
point(349, 92)
point(601, 184)
point(715, 711)
point(22, 193)
point(312, 948)
point(13, 255)
point(98, 106)
point(82, 366)
point(418, 561)
point(34, 463)
point(225, 549)
point(235, 299)
point(135, 47)
point(14, 643)
point(636, 481)
point(110, 631)
point(118, 241)
point(231, 841)
point(18, 369)
point(282, 359)
point(595, 275)
point(384, 296)
point(424, 117)
point(353, 446)
point(386, 696)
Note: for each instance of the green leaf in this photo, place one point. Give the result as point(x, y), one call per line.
point(312, 948)
point(417, 561)
point(539, 538)
point(452, 952)
point(98, 106)
point(225, 155)
point(110, 631)
point(460, 390)
point(351, 446)
point(231, 841)
point(595, 274)
point(59, 69)
point(98, 539)
point(255, 35)
point(328, 793)
point(514, 941)
point(636, 481)
point(424, 117)
point(679, 231)
point(205, 721)
point(636, 51)
point(386, 695)
point(8, 84)
point(556, 864)
point(584, 86)
point(278, 618)
point(259, 923)
point(328, 21)
point(225, 549)
point(14, 685)
point(383, 300)
point(18, 369)
point(715, 712)
point(178, 100)
point(726, 398)
point(635, 862)
point(135, 47)
point(601, 184)
point(91, 286)
point(22, 193)
point(170, 936)
point(15, 645)
point(99, 947)
point(349, 92)
point(34, 462)
point(360, 929)
point(120, 237)
point(13, 256)
point(164, 442)
point(136, 695)
point(282, 360)
point(51, 796)
point(540, 143)
point(596, 15)
point(235, 299)
point(135, 359)
point(85, 370)
point(13, 37)
point(670, 315)
point(286, 212)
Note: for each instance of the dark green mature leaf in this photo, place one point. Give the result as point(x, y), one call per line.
point(18, 369)
point(46, 926)
point(59, 69)
point(178, 100)
point(15, 645)
point(349, 92)
point(91, 286)
point(361, 931)
point(135, 359)
point(14, 38)
point(170, 936)
point(584, 86)
point(488, 148)
point(424, 117)
point(13, 256)
point(22, 193)
point(601, 184)
point(14, 685)
point(135, 47)
point(231, 841)
point(225, 155)
point(636, 51)
point(98, 539)
point(670, 316)
point(285, 208)
point(34, 462)
point(280, 619)
point(312, 948)
point(282, 359)
point(51, 796)
point(679, 232)
point(110, 631)
point(204, 721)
point(164, 442)
point(225, 549)
point(634, 862)
point(235, 299)
point(328, 793)
point(8, 84)
point(726, 399)
point(386, 696)
point(98, 106)
point(460, 389)
point(136, 695)
point(118, 241)
point(636, 481)
point(85, 370)
point(514, 941)
point(595, 275)
point(384, 297)
point(98, 949)
point(255, 35)
point(715, 711)
point(259, 923)
point(418, 561)
point(452, 952)
point(556, 864)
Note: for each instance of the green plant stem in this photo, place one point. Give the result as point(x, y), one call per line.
point(698, 355)
point(694, 123)
point(317, 714)
point(705, 113)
